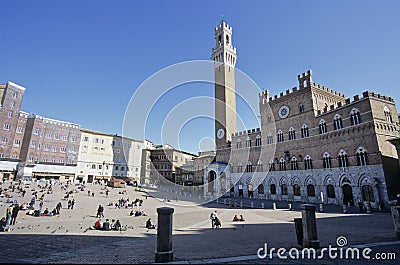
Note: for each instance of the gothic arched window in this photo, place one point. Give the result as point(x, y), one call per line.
point(294, 165)
point(280, 136)
point(308, 162)
point(343, 159)
point(322, 127)
point(304, 131)
point(337, 122)
point(270, 139)
point(292, 134)
point(327, 160)
point(249, 167)
point(362, 157)
point(388, 116)
point(355, 117)
point(258, 140)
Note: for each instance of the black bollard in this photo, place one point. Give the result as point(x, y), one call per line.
point(164, 251)
point(310, 236)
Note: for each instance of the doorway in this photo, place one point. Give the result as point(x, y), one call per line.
point(211, 178)
point(348, 195)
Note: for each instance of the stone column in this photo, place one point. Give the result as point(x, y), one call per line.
point(396, 219)
point(310, 236)
point(164, 251)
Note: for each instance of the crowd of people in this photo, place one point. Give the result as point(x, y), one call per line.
point(114, 225)
point(38, 204)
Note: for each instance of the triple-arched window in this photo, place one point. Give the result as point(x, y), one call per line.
point(280, 136)
point(294, 165)
point(292, 134)
point(355, 117)
point(327, 160)
point(258, 140)
point(282, 164)
point(322, 127)
point(240, 168)
point(362, 157)
point(248, 142)
point(308, 162)
point(271, 165)
point(249, 167)
point(304, 131)
point(388, 115)
point(270, 139)
point(343, 159)
point(337, 122)
point(239, 144)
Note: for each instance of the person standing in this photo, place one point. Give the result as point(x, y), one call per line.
point(100, 211)
point(361, 206)
point(15, 213)
point(41, 207)
point(58, 207)
point(9, 212)
point(240, 190)
point(107, 193)
point(69, 204)
point(72, 203)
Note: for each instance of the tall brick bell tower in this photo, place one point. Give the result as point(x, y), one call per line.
point(224, 57)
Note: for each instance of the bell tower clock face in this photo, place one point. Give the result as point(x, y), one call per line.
point(283, 111)
point(220, 133)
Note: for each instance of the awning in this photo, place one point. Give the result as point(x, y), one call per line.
point(8, 166)
point(101, 177)
point(54, 169)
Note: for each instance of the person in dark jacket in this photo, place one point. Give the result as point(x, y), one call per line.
point(15, 213)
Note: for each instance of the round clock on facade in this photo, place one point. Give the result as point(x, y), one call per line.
point(220, 133)
point(283, 111)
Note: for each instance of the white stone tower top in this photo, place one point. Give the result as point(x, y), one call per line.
point(224, 52)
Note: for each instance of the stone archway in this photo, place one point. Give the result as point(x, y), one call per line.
point(348, 194)
point(211, 180)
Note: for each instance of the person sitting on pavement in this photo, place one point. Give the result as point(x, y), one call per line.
point(112, 225)
point(149, 225)
point(235, 218)
point(117, 226)
point(241, 218)
point(106, 225)
point(96, 226)
point(46, 212)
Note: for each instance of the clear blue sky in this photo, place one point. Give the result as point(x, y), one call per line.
point(82, 60)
